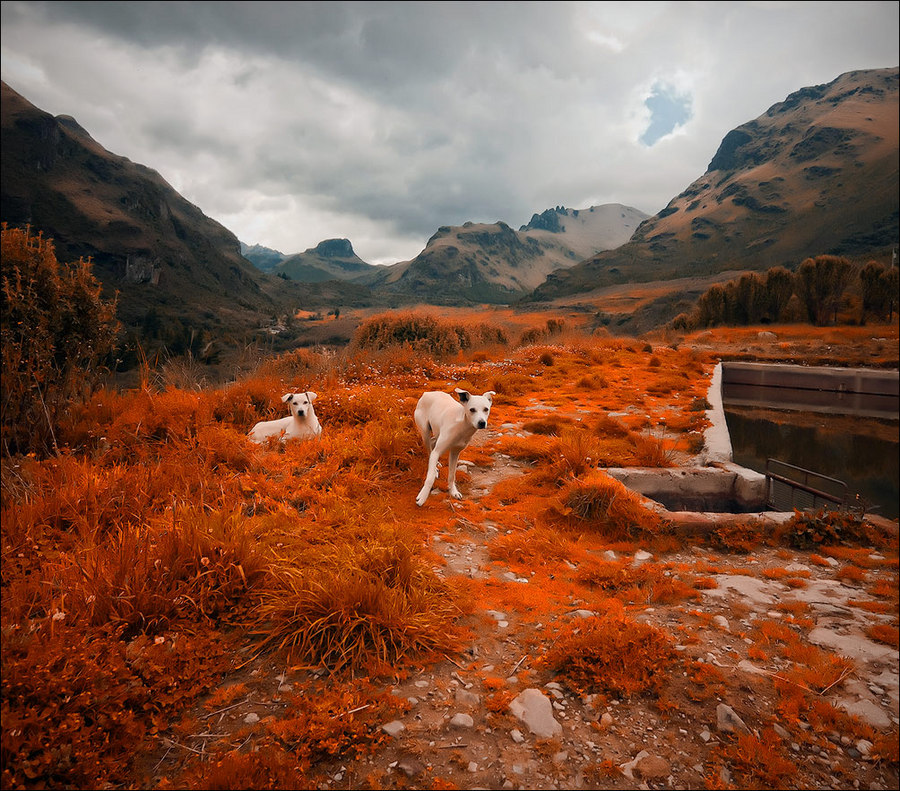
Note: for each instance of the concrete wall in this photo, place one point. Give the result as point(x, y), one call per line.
point(859, 392)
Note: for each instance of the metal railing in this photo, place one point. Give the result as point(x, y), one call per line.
point(789, 487)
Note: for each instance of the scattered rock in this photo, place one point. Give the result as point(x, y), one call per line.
point(782, 732)
point(466, 698)
point(534, 709)
point(628, 768)
point(722, 622)
point(652, 767)
point(748, 667)
point(640, 557)
point(867, 711)
point(728, 721)
point(393, 728)
point(461, 720)
point(410, 766)
point(252, 718)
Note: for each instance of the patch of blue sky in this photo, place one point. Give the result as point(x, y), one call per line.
point(669, 109)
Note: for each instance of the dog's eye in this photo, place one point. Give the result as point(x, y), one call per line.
point(472, 410)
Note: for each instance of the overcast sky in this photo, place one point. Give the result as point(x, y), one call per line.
point(291, 123)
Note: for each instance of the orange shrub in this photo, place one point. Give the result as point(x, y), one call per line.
point(761, 761)
point(351, 604)
point(612, 655)
point(884, 633)
point(77, 704)
point(607, 506)
point(425, 333)
point(55, 329)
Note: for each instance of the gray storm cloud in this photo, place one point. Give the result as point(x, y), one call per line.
point(295, 122)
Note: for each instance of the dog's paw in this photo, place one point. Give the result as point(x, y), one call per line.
point(421, 498)
point(456, 494)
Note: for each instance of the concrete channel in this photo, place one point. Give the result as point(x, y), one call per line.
point(716, 491)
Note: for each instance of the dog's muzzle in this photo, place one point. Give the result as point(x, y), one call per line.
point(482, 424)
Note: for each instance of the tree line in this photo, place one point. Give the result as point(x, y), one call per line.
point(823, 290)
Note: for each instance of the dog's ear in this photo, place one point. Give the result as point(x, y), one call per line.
point(287, 398)
point(489, 395)
point(464, 395)
point(311, 396)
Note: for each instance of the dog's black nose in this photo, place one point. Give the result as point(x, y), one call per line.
point(482, 424)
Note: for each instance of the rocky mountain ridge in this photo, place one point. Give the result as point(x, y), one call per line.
point(815, 174)
point(482, 262)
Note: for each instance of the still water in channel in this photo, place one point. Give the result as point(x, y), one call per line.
point(862, 453)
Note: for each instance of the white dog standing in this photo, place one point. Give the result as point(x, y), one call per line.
point(448, 425)
point(302, 423)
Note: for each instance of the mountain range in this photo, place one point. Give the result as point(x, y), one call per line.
point(175, 269)
point(474, 262)
point(816, 173)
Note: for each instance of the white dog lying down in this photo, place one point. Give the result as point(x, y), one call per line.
point(448, 425)
point(302, 423)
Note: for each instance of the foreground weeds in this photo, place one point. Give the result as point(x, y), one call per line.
point(159, 552)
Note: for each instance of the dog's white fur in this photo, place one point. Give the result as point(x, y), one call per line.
point(302, 423)
point(447, 426)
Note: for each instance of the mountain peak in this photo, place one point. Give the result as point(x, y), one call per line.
point(334, 248)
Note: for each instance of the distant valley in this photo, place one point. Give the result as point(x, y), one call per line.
point(475, 262)
point(816, 173)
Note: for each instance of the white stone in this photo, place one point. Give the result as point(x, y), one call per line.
point(534, 709)
point(461, 720)
point(393, 728)
point(867, 711)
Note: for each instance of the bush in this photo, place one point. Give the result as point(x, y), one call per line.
point(612, 655)
point(807, 529)
point(55, 331)
point(424, 333)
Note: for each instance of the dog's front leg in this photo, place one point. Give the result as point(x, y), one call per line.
point(451, 473)
point(430, 478)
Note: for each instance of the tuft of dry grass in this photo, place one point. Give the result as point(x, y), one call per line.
point(607, 506)
point(612, 655)
point(353, 605)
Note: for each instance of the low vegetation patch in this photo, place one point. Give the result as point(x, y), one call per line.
point(612, 655)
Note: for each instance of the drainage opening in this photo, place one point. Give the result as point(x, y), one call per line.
point(720, 505)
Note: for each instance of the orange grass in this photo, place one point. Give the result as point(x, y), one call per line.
point(760, 761)
point(351, 605)
point(612, 655)
point(601, 503)
point(884, 633)
point(159, 525)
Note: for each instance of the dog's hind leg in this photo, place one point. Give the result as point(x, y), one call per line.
point(430, 478)
point(429, 440)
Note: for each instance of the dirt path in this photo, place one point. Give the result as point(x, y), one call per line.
point(451, 733)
